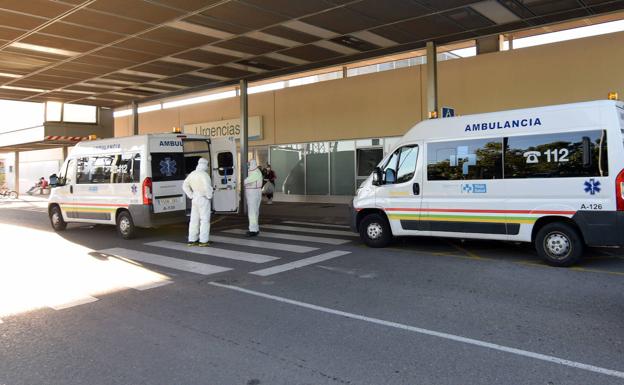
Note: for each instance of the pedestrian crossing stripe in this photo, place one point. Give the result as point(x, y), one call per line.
point(294, 237)
point(214, 252)
point(161, 260)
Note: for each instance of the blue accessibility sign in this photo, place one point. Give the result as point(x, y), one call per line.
point(448, 112)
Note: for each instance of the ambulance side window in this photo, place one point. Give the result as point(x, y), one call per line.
point(559, 155)
point(83, 171)
point(389, 170)
point(407, 163)
point(465, 159)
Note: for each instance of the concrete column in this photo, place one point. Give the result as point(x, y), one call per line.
point(432, 78)
point(16, 172)
point(489, 44)
point(65, 153)
point(244, 145)
point(135, 118)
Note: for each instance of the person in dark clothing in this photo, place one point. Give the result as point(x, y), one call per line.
point(269, 188)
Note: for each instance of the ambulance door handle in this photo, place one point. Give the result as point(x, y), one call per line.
point(416, 188)
point(71, 189)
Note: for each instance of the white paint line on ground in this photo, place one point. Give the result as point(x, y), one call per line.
point(214, 252)
point(263, 244)
point(300, 263)
point(161, 260)
point(75, 302)
point(293, 237)
point(433, 333)
point(151, 285)
point(316, 224)
point(310, 230)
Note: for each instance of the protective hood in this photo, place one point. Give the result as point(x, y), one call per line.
point(253, 165)
point(202, 165)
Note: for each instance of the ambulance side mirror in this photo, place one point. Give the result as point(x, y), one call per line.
point(377, 178)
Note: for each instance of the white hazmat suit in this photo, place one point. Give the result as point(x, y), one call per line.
point(198, 187)
point(253, 196)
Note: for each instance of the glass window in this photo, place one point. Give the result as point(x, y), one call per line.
point(317, 168)
point(128, 168)
point(79, 113)
point(560, 155)
point(102, 168)
point(407, 163)
point(225, 163)
point(288, 163)
point(367, 160)
point(65, 175)
point(465, 160)
point(342, 167)
point(83, 170)
point(389, 169)
point(53, 111)
point(167, 166)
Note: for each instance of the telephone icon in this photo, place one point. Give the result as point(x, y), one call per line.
point(532, 156)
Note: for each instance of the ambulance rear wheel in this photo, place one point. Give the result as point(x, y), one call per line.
point(375, 231)
point(559, 244)
point(125, 225)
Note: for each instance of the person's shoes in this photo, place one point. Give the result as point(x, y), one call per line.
point(252, 233)
point(193, 244)
point(205, 244)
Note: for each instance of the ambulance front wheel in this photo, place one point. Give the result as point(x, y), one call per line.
point(56, 219)
point(125, 225)
point(375, 231)
point(559, 244)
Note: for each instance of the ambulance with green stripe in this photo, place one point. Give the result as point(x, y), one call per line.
point(136, 181)
point(553, 176)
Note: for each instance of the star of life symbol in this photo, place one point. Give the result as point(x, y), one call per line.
point(134, 189)
point(168, 167)
point(466, 188)
point(592, 186)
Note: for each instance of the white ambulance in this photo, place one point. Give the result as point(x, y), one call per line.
point(136, 181)
point(553, 176)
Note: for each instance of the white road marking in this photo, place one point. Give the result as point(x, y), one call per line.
point(151, 285)
point(316, 224)
point(262, 244)
point(294, 237)
point(300, 263)
point(310, 230)
point(161, 260)
point(214, 252)
point(433, 333)
point(72, 303)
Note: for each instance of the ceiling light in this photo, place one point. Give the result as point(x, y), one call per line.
point(8, 75)
point(40, 48)
point(200, 99)
point(22, 89)
point(200, 29)
point(495, 11)
point(152, 107)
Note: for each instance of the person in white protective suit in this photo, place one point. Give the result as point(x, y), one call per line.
point(198, 187)
point(253, 197)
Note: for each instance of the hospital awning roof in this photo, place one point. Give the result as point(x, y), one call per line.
point(110, 52)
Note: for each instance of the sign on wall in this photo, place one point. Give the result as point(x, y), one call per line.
point(226, 128)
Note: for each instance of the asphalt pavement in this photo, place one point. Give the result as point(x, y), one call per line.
point(304, 303)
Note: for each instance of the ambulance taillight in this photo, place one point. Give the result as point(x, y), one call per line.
point(619, 191)
point(147, 191)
